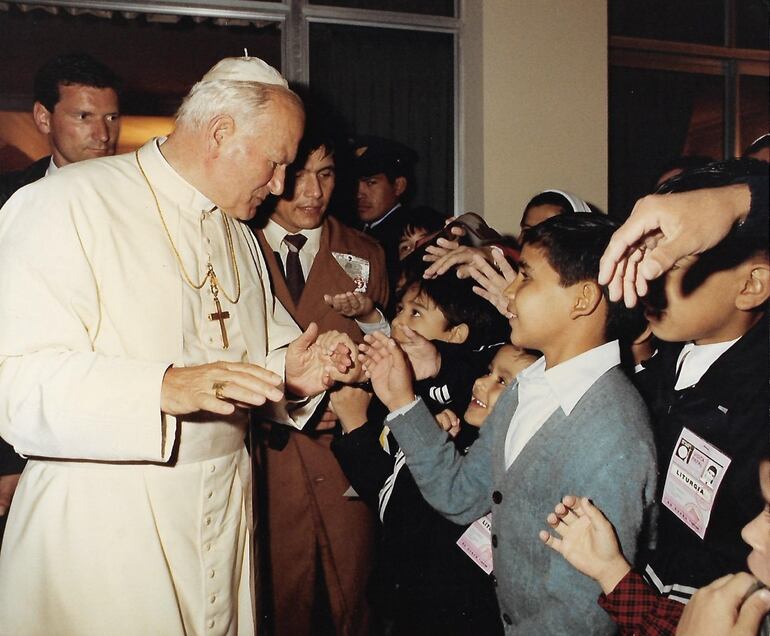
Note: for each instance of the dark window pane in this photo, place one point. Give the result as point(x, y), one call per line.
point(752, 21)
point(700, 21)
point(752, 108)
point(424, 7)
point(370, 78)
point(159, 61)
point(656, 116)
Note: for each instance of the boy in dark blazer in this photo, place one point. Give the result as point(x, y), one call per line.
point(572, 417)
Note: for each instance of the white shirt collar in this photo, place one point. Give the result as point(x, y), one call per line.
point(695, 360)
point(274, 233)
point(570, 380)
point(165, 179)
point(384, 216)
point(52, 167)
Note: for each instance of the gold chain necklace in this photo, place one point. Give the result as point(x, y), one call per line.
point(210, 273)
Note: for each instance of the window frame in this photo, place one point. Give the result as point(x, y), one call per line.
point(727, 61)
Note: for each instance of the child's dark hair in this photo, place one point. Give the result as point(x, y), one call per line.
point(458, 302)
point(743, 241)
point(573, 245)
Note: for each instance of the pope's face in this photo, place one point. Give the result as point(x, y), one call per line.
point(313, 187)
point(85, 123)
point(251, 164)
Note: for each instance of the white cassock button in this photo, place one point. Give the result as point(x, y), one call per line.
point(210, 494)
point(213, 599)
point(208, 521)
point(211, 574)
point(211, 623)
point(212, 468)
point(208, 547)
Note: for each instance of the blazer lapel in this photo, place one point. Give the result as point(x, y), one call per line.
point(277, 280)
point(324, 275)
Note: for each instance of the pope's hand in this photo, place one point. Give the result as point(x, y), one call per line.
point(313, 363)
point(218, 388)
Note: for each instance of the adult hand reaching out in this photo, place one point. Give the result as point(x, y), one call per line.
point(662, 229)
point(587, 542)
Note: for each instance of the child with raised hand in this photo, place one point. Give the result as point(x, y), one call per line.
point(571, 416)
point(431, 585)
point(424, 582)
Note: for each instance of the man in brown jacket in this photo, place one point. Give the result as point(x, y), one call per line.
point(320, 539)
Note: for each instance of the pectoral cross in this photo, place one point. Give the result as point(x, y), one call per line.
point(219, 315)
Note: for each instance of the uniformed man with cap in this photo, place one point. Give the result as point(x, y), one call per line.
point(385, 173)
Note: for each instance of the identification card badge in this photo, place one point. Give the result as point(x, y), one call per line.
point(476, 542)
point(694, 475)
point(355, 267)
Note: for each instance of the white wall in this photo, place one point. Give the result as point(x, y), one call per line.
point(535, 103)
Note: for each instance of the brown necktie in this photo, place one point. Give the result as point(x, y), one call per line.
point(295, 280)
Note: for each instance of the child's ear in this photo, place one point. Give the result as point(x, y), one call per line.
point(588, 296)
point(459, 333)
point(400, 185)
point(756, 287)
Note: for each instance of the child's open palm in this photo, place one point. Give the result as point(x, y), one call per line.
point(350, 304)
point(386, 366)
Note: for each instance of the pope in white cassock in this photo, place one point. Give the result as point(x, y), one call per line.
point(136, 327)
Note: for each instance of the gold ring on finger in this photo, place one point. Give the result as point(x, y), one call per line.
point(219, 388)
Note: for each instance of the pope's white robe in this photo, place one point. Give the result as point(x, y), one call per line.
point(125, 521)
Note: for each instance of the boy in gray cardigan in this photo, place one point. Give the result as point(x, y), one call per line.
point(571, 420)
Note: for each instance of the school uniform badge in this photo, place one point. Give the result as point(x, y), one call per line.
point(355, 267)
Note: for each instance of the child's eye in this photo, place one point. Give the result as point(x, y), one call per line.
point(415, 313)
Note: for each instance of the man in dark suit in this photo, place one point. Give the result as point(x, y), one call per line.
point(320, 540)
point(76, 108)
point(384, 169)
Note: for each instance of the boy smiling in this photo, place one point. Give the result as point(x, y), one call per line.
point(571, 416)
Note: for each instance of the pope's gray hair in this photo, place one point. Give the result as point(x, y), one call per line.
point(236, 98)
